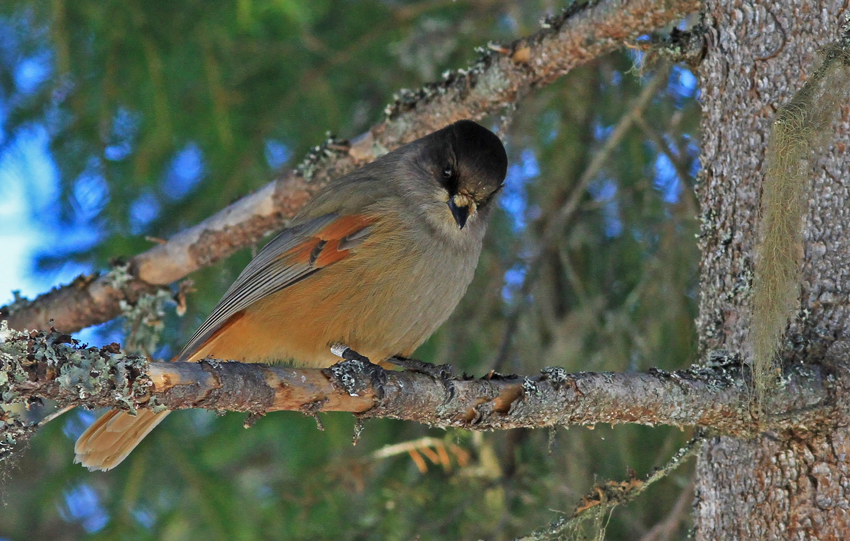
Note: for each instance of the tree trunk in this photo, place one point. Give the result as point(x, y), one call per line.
point(779, 485)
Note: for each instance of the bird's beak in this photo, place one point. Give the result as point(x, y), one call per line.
point(460, 213)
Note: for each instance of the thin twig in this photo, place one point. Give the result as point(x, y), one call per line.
point(556, 224)
point(603, 498)
point(665, 529)
point(688, 196)
point(54, 415)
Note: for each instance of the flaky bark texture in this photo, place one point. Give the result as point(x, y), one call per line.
point(39, 365)
point(783, 485)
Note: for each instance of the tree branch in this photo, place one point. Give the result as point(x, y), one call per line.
point(52, 365)
point(502, 76)
point(604, 497)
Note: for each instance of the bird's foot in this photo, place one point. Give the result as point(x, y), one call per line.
point(348, 373)
point(441, 372)
point(436, 371)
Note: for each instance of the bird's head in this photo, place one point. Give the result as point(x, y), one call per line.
point(465, 165)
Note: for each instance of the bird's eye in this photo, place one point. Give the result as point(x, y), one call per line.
point(448, 171)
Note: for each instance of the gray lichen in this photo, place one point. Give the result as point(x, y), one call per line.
point(14, 433)
point(319, 155)
point(406, 99)
point(73, 373)
point(529, 387)
point(144, 321)
point(79, 372)
point(555, 374)
point(119, 275)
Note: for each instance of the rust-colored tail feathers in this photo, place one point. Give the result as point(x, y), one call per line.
point(110, 439)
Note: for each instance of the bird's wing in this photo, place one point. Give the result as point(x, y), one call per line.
point(292, 256)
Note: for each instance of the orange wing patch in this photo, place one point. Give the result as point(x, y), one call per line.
point(330, 254)
point(323, 248)
point(301, 253)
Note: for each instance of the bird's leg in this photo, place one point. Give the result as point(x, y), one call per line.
point(346, 373)
point(442, 372)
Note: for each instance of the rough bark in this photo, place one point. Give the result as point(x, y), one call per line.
point(498, 80)
point(783, 484)
point(52, 365)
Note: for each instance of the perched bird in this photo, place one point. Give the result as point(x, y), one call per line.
point(376, 261)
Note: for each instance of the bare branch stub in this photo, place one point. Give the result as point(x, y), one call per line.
point(498, 78)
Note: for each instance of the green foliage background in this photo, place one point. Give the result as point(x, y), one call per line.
point(161, 113)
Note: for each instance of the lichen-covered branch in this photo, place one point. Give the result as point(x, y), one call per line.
point(604, 497)
point(501, 77)
point(51, 365)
